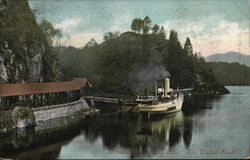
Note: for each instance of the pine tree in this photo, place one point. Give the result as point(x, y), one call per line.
point(155, 29)
point(188, 47)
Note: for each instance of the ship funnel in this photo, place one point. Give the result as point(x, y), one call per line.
point(167, 86)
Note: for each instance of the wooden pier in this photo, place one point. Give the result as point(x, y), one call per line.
point(125, 99)
point(102, 99)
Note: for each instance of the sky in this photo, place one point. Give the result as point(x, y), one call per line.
point(214, 26)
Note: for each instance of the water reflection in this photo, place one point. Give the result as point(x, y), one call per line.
point(198, 104)
point(133, 133)
point(142, 137)
point(139, 136)
point(29, 138)
point(41, 153)
point(187, 133)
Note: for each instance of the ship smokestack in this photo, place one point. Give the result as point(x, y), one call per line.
point(167, 86)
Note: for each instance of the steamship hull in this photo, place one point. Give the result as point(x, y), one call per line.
point(161, 108)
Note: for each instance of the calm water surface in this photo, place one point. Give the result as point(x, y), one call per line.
point(215, 127)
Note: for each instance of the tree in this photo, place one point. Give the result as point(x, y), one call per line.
point(146, 25)
point(91, 43)
point(110, 35)
point(162, 32)
point(188, 47)
point(143, 25)
point(51, 36)
point(51, 33)
point(134, 25)
point(155, 29)
point(137, 25)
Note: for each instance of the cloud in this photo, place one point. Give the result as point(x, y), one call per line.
point(80, 39)
point(68, 24)
point(209, 37)
point(227, 36)
point(184, 27)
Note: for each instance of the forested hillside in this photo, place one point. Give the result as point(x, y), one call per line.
point(128, 62)
point(231, 74)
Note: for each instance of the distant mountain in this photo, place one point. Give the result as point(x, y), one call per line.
point(229, 57)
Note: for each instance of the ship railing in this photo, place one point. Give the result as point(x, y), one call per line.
point(146, 97)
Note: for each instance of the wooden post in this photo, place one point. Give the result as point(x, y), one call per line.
point(41, 99)
point(148, 115)
point(55, 98)
point(0, 103)
point(34, 100)
point(70, 96)
point(120, 104)
point(51, 98)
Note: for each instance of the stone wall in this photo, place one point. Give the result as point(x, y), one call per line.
point(59, 111)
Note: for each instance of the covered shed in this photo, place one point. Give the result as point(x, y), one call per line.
point(40, 94)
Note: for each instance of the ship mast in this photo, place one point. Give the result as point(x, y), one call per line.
point(156, 89)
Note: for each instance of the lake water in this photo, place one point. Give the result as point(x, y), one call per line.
point(217, 127)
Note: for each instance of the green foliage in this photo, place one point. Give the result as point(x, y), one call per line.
point(162, 32)
point(23, 113)
point(51, 68)
point(231, 74)
point(110, 35)
point(137, 25)
point(188, 47)
point(6, 122)
point(91, 43)
point(49, 31)
point(146, 25)
point(155, 29)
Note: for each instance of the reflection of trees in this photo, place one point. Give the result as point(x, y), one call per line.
point(187, 135)
point(198, 104)
point(23, 138)
point(48, 155)
point(138, 135)
point(174, 137)
point(30, 138)
point(30, 155)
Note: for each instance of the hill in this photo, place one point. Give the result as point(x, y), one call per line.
point(231, 74)
point(229, 57)
point(132, 61)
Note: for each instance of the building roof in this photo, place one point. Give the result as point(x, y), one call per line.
point(44, 87)
point(82, 82)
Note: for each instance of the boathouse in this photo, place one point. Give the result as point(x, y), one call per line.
point(35, 95)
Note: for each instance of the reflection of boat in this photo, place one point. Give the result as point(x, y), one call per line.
point(168, 122)
point(163, 124)
point(159, 135)
point(167, 102)
point(159, 106)
point(138, 137)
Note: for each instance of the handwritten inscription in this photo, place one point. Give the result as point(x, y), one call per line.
point(188, 152)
